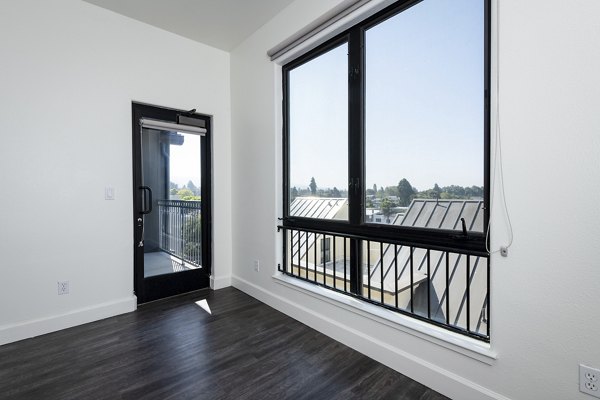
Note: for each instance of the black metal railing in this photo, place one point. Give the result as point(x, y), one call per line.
point(447, 288)
point(181, 230)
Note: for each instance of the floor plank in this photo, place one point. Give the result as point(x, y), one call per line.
point(174, 349)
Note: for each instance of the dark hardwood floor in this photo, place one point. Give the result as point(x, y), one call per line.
point(174, 349)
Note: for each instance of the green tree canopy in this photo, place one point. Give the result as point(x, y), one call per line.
point(195, 190)
point(187, 194)
point(405, 192)
point(313, 186)
point(387, 207)
point(192, 234)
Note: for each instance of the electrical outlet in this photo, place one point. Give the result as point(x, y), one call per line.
point(256, 265)
point(63, 287)
point(588, 380)
point(504, 251)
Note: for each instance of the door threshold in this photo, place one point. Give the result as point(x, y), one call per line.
point(191, 294)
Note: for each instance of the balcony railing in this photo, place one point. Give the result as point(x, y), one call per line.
point(447, 288)
point(180, 230)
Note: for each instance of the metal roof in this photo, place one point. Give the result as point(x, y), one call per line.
point(317, 207)
point(443, 214)
point(314, 207)
point(440, 214)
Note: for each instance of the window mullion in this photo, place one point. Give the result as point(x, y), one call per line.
point(356, 124)
point(486, 116)
point(356, 154)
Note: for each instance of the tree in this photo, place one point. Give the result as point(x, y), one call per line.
point(187, 194)
point(405, 192)
point(294, 193)
point(184, 192)
point(192, 238)
point(474, 191)
point(451, 192)
point(391, 190)
point(454, 191)
point(190, 185)
point(387, 207)
point(335, 192)
point(436, 191)
point(375, 187)
point(313, 186)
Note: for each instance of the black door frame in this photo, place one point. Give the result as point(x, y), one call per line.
point(160, 286)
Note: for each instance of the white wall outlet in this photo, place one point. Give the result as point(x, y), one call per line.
point(256, 265)
point(63, 287)
point(589, 380)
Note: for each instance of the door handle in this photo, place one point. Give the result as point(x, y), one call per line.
point(147, 200)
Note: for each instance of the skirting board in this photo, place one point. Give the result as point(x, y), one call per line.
point(439, 379)
point(24, 330)
point(217, 283)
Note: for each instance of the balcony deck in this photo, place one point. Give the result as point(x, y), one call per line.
point(160, 263)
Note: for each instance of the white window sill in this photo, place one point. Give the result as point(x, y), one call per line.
point(473, 348)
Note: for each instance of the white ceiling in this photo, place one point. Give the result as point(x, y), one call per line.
point(219, 23)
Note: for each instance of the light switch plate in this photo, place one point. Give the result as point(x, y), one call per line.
point(109, 193)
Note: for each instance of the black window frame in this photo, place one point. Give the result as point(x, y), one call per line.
point(440, 239)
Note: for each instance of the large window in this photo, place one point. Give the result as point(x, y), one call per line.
point(386, 156)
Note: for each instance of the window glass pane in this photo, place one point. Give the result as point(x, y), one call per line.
point(318, 137)
point(425, 116)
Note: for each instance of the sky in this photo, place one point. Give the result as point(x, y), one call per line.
point(185, 160)
point(424, 102)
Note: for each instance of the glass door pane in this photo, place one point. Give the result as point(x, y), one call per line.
point(171, 201)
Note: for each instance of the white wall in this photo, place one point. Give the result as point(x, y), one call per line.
point(68, 74)
point(545, 319)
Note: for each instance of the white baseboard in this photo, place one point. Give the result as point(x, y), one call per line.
point(27, 329)
point(217, 283)
point(433, 376)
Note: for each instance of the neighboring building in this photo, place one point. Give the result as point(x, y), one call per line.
point(320, 207)
point(311, 252)
point(331, 256)
point(437, 214)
